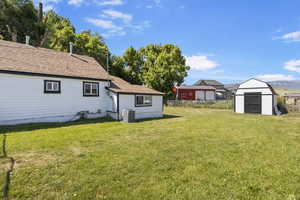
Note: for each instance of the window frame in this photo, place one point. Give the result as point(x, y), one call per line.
point(143, 105)
point(52, 91)
point(91, 83)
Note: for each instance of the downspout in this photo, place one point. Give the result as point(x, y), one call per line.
point(118, 109)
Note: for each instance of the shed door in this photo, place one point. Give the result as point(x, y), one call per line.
point(210, 95)
point(200, 95)
point(253, 103)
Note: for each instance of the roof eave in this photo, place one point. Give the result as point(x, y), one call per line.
point(52, 75)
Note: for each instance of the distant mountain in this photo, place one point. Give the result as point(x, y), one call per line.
point(295, 85)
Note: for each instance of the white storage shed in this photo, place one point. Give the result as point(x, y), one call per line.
point(255, 96)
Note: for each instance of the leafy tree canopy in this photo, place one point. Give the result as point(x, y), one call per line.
point(164, 67)
point(157, 66)
point(17, 19)
point(91, 45)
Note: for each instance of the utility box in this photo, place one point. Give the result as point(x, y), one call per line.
point(128, 116)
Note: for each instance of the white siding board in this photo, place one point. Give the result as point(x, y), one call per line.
point(23, 98)
point(262, 90)
point(128, 102)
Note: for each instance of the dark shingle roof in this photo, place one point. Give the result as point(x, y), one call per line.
point(16, 57)
point(208, 82)
point(121, 86)
point(202, 87)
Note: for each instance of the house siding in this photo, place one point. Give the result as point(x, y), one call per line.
point(127, 101)
point(23, 99)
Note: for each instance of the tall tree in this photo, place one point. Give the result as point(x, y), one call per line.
point(164, 67)
point(59, 32)
point(92, 45)
point(117, 67)
point(17, 19)
point(133, 60)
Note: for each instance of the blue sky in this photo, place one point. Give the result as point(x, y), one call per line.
point(226, 40)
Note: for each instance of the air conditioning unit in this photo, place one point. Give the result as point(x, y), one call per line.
point(128, 115)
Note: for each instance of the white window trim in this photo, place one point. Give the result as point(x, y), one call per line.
point(52, 90)
point(91, 94)
point(144, 104)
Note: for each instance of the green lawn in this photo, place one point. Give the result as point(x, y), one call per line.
point(282, 91)
point(190, 154)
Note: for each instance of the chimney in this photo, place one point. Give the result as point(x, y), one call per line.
point(40, 12)
point(71, 48)
point(27, 39)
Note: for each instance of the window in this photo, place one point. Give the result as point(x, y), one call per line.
point(90, 89)
point(143, 100)
point(51, 86)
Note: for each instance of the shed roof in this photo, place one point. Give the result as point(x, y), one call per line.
point(16, 57)
point(267, 84)
point(121, 86)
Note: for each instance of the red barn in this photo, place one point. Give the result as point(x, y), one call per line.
point(195, 93)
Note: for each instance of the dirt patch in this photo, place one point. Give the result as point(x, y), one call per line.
point(4, 164)
point(34, 159)
point(78, 150)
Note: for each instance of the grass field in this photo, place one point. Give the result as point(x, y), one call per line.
point(282, 91)
point(190, 154)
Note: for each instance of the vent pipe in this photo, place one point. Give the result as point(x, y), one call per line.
point(71, 48)
point(27, 39)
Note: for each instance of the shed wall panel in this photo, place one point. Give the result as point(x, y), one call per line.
point(267, 106)
point(239, 104)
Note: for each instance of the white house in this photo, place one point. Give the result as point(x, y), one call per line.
point(43, 85)
point(255, 96)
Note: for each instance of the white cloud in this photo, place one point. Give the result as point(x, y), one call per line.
point(275, 77)
point(140, 27)
point(200, 62)
point(113, 14)
point(293, 65)
point(111, 28)
point(116, 23)
point(110, 2)
point(105, 24)
point(290, 37)
point(75, 2)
